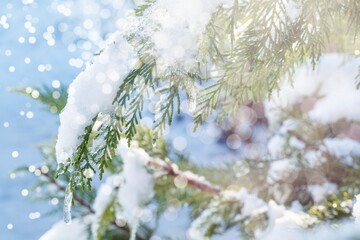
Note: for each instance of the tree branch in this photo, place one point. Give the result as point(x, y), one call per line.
point(192, 179)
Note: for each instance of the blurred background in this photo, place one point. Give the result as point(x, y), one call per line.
point(39, 45)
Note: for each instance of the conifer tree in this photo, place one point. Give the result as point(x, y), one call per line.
point(286, 66)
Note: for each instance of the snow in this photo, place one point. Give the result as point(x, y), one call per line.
point(175, 41)
point(276, 145)
point(319, 191)
point(138, 185)
point(251, 205)
point(105, 192)
point(77, 230)
point(132, 188)
point(282, 220)
point(328, 87)
point(281, 169)
point(180, 25)
point(356, 209)
point(344, 148)
point(283, 223)
point(292, 9)
point(104, 197)
point(92, 92)
point(342, 231)
point(317, 96)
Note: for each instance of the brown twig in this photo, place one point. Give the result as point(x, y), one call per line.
point(193, 180)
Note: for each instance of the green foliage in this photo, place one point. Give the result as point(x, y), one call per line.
point(333, 207)
point(139, 11)
point(130, 96)
point(53, 99)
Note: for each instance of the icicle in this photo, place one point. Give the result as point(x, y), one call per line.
point(67, 205)
point(191, 94)
point(192, 103)
point(134, 228)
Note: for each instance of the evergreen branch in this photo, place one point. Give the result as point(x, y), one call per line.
point(104, 155)
point(134, 114)
point(128, 86)
point(165, 109)
point(53, 99)
point(140, 10)
point(207, 103)
point(130, 96)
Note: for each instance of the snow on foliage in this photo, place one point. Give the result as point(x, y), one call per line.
point(356, 209)
point(177, 30)
point(329, 89)
point(309, 105)
point(138, 182)
point(282, 220)
point(92, 92)
point(181, 23)
point(344, 149)
point(77, 230)
point(292, 9)
point(279, 219)
point(347, 231)
point(319, 192)
point(250, 205)
point(132, 188)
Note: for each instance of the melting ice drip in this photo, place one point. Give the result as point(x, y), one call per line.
point(192, 103)
point(191, 95)
point(67, 205)
point(134, 228)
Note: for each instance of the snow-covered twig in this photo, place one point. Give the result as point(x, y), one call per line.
point(192, 179)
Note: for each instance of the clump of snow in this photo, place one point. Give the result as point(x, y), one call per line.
point(92, 92)
point(174, 28)
point(344, 149)
point(329, 88)
point(251, 205)
point(319, 191)
point(181, 25)
point(132, 188)
point(138, 186)
point(356, 209)
point(323, 96)
point(347, 231)
point(292, 9)
point(276, 146)
point(281, 169)
point(106, 191)
point(314, 158)
point(283, 221)
point(343, 231)
point(105, 196)
point(77, 230)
